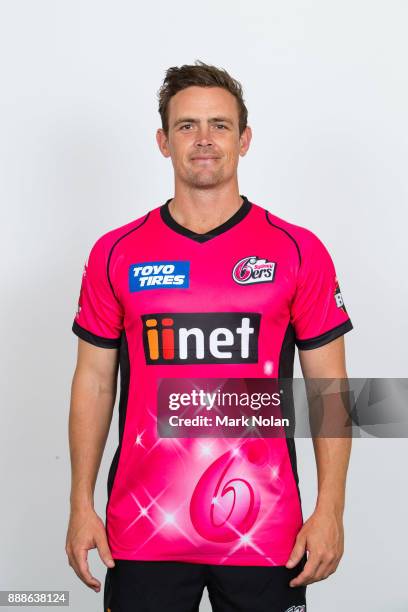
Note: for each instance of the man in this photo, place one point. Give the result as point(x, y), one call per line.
point(205, 285)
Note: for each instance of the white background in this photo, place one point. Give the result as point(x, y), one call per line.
point(326, 88)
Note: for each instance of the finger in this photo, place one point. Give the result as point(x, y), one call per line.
point(307, 576)
point(325, 569)
point(83, 569)
point(297, 552)
point(104, 550)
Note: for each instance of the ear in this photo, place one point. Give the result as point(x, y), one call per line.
point(162, 141)
point(245, 141)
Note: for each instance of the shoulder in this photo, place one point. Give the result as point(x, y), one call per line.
point(306, 242)
point(104, 245)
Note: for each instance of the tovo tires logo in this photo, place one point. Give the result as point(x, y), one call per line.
point(201, 337)
point(159, 275)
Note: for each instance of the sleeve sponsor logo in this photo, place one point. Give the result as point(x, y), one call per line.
point(79, 304)
point(159, 275)
point(253, 269)
point(85, 267)
point(201, 337)
point(338, 297)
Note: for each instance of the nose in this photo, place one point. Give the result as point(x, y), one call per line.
point(204, 136)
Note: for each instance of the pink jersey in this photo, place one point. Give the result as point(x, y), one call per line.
point(233, 302)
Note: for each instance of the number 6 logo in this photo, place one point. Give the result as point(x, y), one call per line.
point(223, 509)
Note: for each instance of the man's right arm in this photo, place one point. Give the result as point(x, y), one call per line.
point(93, 395)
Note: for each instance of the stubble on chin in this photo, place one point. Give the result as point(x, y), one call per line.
point(204, 179)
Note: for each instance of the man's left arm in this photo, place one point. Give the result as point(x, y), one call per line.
point(322, 535)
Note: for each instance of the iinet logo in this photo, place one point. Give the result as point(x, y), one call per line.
point(201, 337)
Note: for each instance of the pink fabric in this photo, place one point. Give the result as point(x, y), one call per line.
point(162, 503)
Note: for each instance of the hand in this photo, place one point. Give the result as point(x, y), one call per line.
point(323, 536)
point(85, 531)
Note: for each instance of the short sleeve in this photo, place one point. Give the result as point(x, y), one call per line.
point(99, 316)
point(318, 312)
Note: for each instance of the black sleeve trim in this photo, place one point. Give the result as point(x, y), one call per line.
point(84, 334)
point(332, 334)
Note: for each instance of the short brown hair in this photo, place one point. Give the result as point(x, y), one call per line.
point(201, 75)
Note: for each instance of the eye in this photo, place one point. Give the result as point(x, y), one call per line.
point(221, 125)
point(185, 125)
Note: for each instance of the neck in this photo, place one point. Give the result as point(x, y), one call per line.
point(200, 210)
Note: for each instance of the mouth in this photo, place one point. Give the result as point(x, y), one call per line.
point(204, 159)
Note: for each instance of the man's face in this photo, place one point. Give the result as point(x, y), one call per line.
point(203, 140)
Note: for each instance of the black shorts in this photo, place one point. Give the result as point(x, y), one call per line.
point(175, 586)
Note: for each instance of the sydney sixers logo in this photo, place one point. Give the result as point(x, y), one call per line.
point(223, 506)
point(253, 269)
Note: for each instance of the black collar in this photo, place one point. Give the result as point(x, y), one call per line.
point(242, 212)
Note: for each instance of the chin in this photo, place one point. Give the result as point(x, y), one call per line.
point(205, 180)
point(205, 184)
